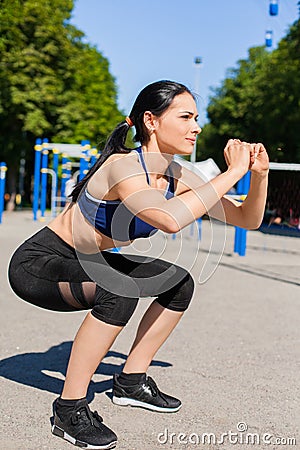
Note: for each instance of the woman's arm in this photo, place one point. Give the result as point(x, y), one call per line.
point(174, 214)
point(248, 214)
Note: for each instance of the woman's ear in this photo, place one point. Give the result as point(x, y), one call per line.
point(149, 121)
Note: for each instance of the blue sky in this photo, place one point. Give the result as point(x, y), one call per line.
point(146, 41)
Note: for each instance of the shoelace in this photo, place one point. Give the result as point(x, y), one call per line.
point(86, 416)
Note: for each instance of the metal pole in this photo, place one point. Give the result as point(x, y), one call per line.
point(3, 170)
point(55, 152)
point(36, 185)
point(84, 159)
point(53, 189)
point(240, 237)
point(197, 64)
point(64, 178)
point(45, 153)
point(21, 181)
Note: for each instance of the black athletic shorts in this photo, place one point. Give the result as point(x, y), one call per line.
point(49, 273)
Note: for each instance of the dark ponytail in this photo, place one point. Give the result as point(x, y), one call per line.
point(156, 97)
point(114, 144)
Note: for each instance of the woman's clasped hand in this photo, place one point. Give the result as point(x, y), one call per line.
point(243, 156)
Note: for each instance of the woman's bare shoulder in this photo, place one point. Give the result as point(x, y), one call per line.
point(119, 158)
point(116, 168)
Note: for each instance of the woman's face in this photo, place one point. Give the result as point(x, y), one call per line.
point(176, 129)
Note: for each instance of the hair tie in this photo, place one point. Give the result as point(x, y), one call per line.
point(129, 121)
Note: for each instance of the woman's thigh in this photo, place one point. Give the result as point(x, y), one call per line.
point(132, 275)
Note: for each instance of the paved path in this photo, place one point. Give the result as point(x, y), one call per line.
point(233, 359)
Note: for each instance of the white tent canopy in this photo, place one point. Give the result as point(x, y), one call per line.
point(207, 169)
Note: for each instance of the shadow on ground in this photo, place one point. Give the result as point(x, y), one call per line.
point(34, 369)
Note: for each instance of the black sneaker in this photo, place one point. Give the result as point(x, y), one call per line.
point(145, 395)
point(83, 427)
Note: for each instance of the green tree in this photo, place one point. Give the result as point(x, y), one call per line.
point(259, 101)
point(235, 109)
point(52, 84)
point(210, 144)
point(280, 98)
point(88, 106)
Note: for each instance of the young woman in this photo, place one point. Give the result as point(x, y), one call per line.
point(129, 194)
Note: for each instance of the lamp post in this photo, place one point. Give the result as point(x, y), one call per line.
point(197, 64)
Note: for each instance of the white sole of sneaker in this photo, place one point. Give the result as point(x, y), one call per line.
point(124, 401)
point(61, 433)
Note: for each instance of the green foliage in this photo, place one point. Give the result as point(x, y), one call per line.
point(88, 110)
point(210, 144)
point(259, 102)
point(52, 84)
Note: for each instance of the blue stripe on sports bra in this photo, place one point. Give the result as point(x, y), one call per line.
point(113, 219)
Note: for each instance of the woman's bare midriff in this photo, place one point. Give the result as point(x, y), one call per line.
point(73, 228)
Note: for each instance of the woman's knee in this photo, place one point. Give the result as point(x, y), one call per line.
point(113, 309)
point(178, 298)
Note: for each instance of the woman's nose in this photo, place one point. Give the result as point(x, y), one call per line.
point(197, 129)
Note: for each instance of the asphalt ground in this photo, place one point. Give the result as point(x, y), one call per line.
point(233, 360)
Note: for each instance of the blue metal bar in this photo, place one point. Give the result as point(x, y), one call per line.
point(93, 160)
point(240, 237)
point(3, 170)
point(237, 239)
point(36, 185)
point(64, 177)
point(84, 159)
point(44, 176)
point(243, 242)
point(55, 163)
point(199, 224)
